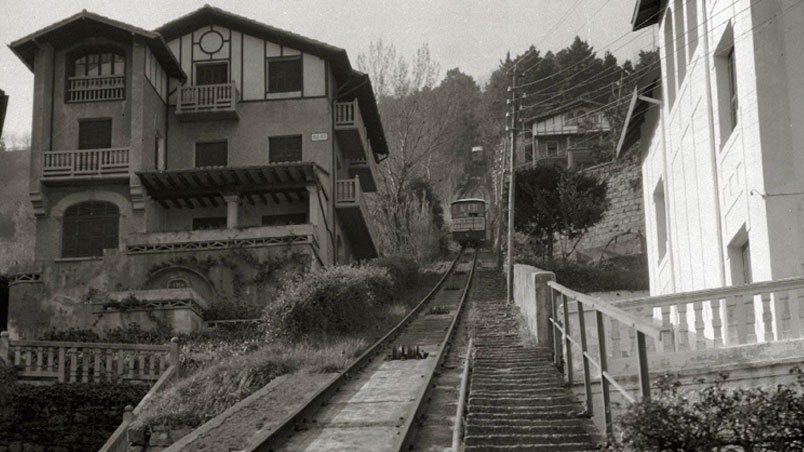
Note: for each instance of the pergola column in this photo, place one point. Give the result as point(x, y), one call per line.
point(232, 203)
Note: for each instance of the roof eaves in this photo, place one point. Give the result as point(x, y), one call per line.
point(647, 13)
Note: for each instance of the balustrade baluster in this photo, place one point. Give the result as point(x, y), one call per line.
point(782, 318)
point(741, 319)
point(28, 359)
point(795, 298)
point(767, 317)
point(50, 359)
point(96, 372)
point(683, 327)
point(669, 335)
point(700, 337)
point(109, 365)
point(121, 362)
point(40, 357)
point(154, 373)
point(142, 370)
point(85, 357)
point(719, 321)
point(73, 365)
point(62, 364)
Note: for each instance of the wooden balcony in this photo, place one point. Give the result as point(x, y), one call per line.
point(96, 89)
point(353, 211)
point(351, 131)
point(207, 102)
point(85, 164)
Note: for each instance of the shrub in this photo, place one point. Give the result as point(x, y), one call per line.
point(718, 418)
point(403, 270)
point(335, 301)
point(602, 277)
point(229, 310)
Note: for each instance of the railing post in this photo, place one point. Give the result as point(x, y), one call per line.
point(587, 382)
point(642, 361)
point(5, 348)
point(557, 354)
point(567, 342)
point(174, 351)
point(604, 383)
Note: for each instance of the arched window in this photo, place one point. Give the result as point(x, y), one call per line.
point(89, 228)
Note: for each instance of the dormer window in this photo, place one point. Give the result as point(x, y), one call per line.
point(97, 76)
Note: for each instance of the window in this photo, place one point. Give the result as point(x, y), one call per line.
point(211, 73)
point(669, 58)
point(285, 149)
point(210, 154)
point(552, 148)
point(285, 219)
point(661, 219)
point(98, 64)
point(732, 88)
point(284, 76)
point(209, 223)
point(94, 134)
point(177, 283)
point(681, 48)
point(727, 92)
point(89, 228)
point(692, 27)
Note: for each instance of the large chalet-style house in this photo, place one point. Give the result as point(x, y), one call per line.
point(722, 153)
point(175, 167)
point(566, 135)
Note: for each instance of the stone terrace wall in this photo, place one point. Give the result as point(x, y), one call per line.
point(622, 228)
point(17, 224)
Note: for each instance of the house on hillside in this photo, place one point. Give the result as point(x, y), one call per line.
point(722, 160)
point(565, 135)
point(189, 165)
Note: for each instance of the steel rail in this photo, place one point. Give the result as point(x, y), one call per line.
point(266, 441)
point(408, 432)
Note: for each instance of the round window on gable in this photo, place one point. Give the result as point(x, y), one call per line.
point(211, 42)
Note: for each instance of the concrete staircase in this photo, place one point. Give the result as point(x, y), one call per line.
point(517, 399)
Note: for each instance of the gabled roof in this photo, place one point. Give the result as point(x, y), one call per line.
point(86, 23)
point(637, 109)
point(352, 84)
point(646, 13)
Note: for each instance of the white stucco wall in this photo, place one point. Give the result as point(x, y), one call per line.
point(715, 183)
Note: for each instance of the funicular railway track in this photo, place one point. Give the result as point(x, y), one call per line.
point(375, 404)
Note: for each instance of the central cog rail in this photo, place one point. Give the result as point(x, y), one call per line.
point(374, 403)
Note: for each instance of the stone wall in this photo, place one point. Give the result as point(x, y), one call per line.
point(622, 229)
point(17, 224)
point(62, 417)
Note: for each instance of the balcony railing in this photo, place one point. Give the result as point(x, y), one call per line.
point(85, 163)
point(207, 98)
point(348, 191)
point(347, 114)
point(220, 239)
point(351, 131)
point(95, 89)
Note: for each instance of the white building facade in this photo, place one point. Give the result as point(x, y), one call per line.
point(722, 153)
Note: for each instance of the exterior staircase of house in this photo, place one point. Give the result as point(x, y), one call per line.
point(517, 400)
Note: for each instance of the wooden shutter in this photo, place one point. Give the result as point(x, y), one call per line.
point(212, 74)
point(89, 228)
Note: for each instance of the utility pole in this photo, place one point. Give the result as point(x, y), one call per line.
point(514, 101)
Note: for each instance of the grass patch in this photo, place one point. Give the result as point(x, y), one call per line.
point(221, 373)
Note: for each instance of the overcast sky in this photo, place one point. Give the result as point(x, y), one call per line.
point(472, 35)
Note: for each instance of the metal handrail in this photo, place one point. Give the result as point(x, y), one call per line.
point(563, 342)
